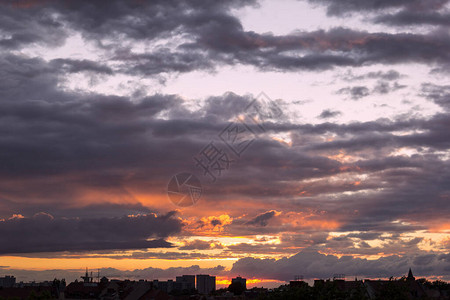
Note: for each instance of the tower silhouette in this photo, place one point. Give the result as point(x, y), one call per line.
point(410, 276)
point(86, 278)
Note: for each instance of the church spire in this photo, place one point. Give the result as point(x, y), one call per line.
point(410, 275)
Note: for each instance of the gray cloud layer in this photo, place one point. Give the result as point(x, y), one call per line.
point(210, 36)
point(312, 264)
point(43, 233)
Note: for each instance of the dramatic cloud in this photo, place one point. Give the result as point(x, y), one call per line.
point(200, 245)
point(439, 94)
point(43, 233)
point(208, 35)
point(405, 18)
point(312, 264)
point(101, 103)
point(262, 219)
point(346, 6)
point(326, 49)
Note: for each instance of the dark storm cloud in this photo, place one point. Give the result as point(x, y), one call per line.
point(21, 28)
point(109, 121)
point(439, 94)
point(409, 188)
point(413, 195)
point(75, 66)
point(405, 182)
point(262, 219)
point(64, 144)
point(60, 209)
point(143, 19)
point(315, 265)
point(345, 245)
point(407, 13)
point(226, 107)
point(322, 49)
point(214, 37)
point(348, 6)
point(163, 60)
point(104, 23)
point(405, 18)
point(44, 233)
point(209, 36)
point(30, 94)
point(134, 19)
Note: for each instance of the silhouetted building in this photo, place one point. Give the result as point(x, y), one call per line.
point(130, 290)
point(166, 286)
point(142, 290)
point(7, 281)
point(256, 293)
point(241, 280)
point(206, 284)
point(104, 280)
point(29, 292)
point(86, 278)
point(83, 290)
point(297, 283)
point(151, 294)
point(185, 282)
point(406, 287)
point(350, 286)
point(410, 275)
point(319, 282)
point(169, 286)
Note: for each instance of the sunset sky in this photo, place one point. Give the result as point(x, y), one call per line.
point(102, 102)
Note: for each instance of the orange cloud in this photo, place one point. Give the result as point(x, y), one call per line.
point(302, 220)
point(440, 227)
point(207, 226)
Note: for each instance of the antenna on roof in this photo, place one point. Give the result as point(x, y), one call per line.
point(339, 277)
point(298, 277)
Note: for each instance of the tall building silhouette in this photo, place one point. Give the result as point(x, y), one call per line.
point(86, 278)
point(206, 284)
point(241, 280)
point(410, 275)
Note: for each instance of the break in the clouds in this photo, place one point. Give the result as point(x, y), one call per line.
point(101, 103)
